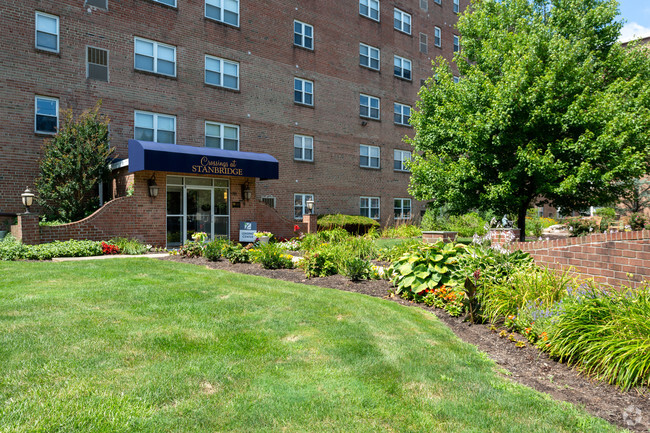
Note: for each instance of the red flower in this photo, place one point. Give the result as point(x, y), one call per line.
point(296, 228)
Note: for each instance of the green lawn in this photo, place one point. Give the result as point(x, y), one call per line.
point(140, 345)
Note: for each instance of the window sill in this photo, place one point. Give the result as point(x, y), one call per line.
point(369, 18)
point(403, 125)
point(223, 23)
point(174, 8)
point(44, 134)
point(299, 47)
point(408, 80)
point(48, 52)
point(227, 89)
point(370, 118)
point(403, 32)
point(401, 171)
point(300, 104)
point(156, 74)
point(369, 68)
point(370, 168)
point(307, 161)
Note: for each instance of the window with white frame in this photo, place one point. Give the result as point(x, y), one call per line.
point(47, 32)
point(303, 148)
point(456, 6)
point(369, 8)
point(401, 156)
point(368, 106)
point(369, 156)
point(424, 5)
point(303, 35)
point(402, 113)
point(303, 91)
point(456, 44)
point(171, 3)
point(155, 57)
point(156, 127)
point(402, 21)
point(46, 115)
point(221, 72)
point(300, 205)
point(221, 136)
point(369, 56)
point(100, 4)
point(437, 37)
point(224, 11)
point(402, 208)
point(369, 207)
point(438, 1)
point(402, 67)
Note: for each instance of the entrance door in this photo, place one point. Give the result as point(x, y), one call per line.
point(196, 205)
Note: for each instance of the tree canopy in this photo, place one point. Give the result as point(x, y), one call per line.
point(74, 163)
point(549, 109)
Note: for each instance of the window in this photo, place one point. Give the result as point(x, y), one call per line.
point(424, 5)
point(47, 32)
point(303, 35)
point(424, 43)
point(438, 1)
point(300, 205)
point(155, 57)
point(171, 3)
point(369, 207)
point(369, 106)
point(402, 67)
point(269, 200)
point(221, 72)
point(46, 119)
point(456, 44)
point(225, 11)
point(155, 127)
point(369, 8)
point(221, 136)
point(369, 56)
point(402, 208)
point(97, 64)
point(402, 21)
point(456, 6)
point(369, 156)
point(437, 38)
point(303, 91)
point(401, 156)
point(303, 148)
point(101, 4)
point(402, 113)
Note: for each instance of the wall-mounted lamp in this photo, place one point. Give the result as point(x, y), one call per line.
point(28, 199)
point(153, 186)
point(246, 192)
point(310, 206)
point(364, 123)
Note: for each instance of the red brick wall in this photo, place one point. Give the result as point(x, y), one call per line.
point(263, 107)
point(606, 257)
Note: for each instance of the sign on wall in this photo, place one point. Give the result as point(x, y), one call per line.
point(247, 231)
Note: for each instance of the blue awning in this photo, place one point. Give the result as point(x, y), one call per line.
point(147, 155)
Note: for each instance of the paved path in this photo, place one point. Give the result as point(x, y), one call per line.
point(113, 256)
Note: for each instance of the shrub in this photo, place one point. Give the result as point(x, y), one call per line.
point(109, 249)
point(129, 246)
point(638, 221)
point(11, 249)
point(191, 249)
point(336, 234)
point(214, 250)
point(320, 263)
point(235, 253)
point(608, 216)
point(466, 225)
point(271, 256)
point(579, 226)
point(605, 334)
point(396, 251)
point(356, 269)
point(401, 231)
point(354, 224)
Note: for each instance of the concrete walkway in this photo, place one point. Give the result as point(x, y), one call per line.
point(112, 256)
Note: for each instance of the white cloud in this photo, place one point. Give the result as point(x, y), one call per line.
point(631, 31)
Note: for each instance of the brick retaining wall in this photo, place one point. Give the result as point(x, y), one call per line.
point(607, 257)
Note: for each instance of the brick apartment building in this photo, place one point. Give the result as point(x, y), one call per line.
point(323, 87)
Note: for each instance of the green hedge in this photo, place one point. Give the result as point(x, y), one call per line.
point(354, 224)
point(11, 249)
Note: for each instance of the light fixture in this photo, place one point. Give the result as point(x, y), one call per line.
point(28, 199)
point(310, 206)
point(153, 186)
point(364, 123)
point(246, 192)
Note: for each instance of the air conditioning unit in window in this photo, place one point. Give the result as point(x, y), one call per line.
point(269, 201)
point(101, 4)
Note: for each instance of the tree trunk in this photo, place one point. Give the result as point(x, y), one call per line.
point(521, 221)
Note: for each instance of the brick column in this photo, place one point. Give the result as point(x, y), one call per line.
point(310, 220)
point(502, 236)
point(27, 230)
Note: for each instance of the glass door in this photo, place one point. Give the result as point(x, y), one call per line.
point(199, 212)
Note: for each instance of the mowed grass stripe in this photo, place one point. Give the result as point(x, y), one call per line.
point(142, 345)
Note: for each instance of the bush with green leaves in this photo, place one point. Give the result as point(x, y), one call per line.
point(12, 249)
point(354, 224)
point(427, 268)
point(401, 231)
point(467, 225)
point(607, 215)
point(74, 163)
point(191, 249)
point(394, 252)
point(272, 256)
point(236, 253)
point(129, 246)
point(638, 221)
point(604, 333)
point(214, 250)
point(356, 269)
point(580, 226)
point(321, 262)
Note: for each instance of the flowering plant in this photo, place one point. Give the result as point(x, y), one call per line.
point(110, 249)
point(260, 234)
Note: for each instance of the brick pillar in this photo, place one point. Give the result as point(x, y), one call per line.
point(502, 236)
point(310, 220)
point(27, 230)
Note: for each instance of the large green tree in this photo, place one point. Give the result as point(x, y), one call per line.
point(74, 163)
point(549, 108)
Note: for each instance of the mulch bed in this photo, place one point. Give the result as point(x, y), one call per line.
point(527, 365)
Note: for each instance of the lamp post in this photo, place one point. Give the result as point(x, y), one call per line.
point(28, 199)
point(310, 206)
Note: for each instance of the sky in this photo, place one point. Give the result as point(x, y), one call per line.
point(636, 16)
